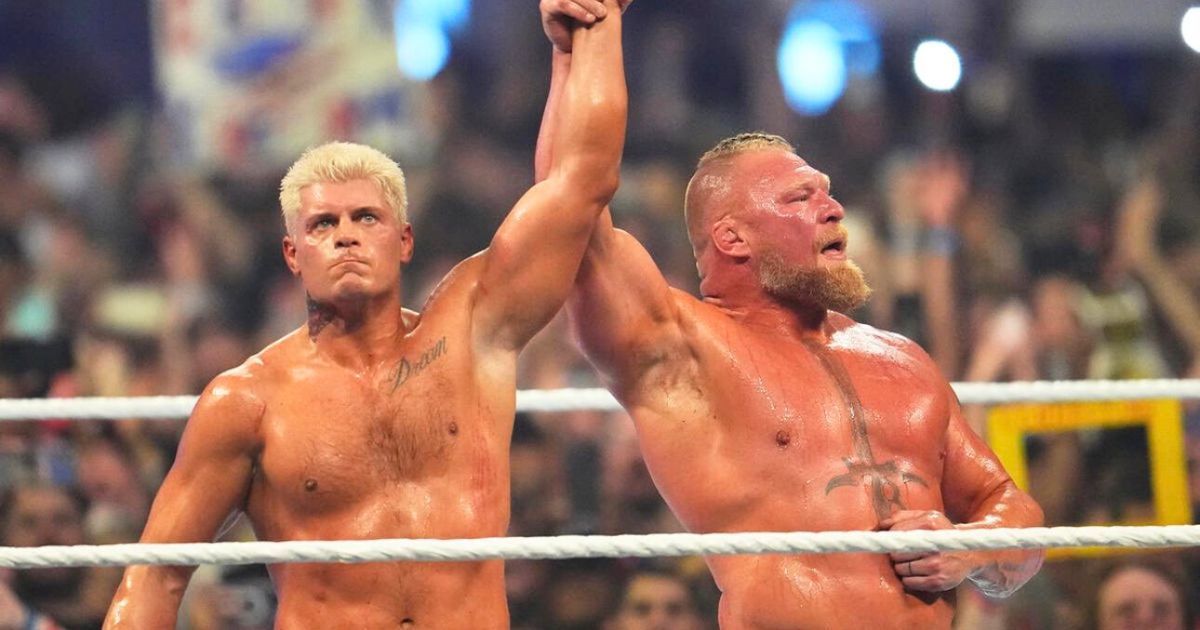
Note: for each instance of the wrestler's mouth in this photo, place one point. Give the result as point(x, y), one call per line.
point(347, 261)
point(835, 249)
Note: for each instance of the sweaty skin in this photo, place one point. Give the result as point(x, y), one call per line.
point(374, 421)
point(756, 413)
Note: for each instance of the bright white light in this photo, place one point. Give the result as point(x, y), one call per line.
point(937, 65)
point(812, 66)
point(421, 50)
point(1189, 27)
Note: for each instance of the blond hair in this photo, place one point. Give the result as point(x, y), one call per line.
point(743, 142)
point(708, 181)
point(339, 162)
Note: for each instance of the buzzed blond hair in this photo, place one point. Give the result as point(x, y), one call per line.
point(710, 177)
point(340, 162)
point(750, 141)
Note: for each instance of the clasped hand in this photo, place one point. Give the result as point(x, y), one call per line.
point(560, 16)
point(930, 571)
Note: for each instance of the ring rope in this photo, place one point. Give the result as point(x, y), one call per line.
point(557, 547)
point(596, 399)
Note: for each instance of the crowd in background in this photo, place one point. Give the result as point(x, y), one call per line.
point(1048, 231)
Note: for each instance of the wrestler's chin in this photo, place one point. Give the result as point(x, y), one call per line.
point(838, 261)
point(352, 287)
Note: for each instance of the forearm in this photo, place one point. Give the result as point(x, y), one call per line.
point(1178, 305)
point(560, 69)
point(590, 133)
point(149, 597)
point(1001, 573)
point(938, 301)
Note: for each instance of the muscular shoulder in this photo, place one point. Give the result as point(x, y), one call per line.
point(457, 287)
point(235, 401)
point(886, 346)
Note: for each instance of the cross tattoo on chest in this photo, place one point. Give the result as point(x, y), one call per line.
point(885, 477)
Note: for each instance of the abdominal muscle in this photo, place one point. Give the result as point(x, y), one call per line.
point(770, 592)
point(391, 595)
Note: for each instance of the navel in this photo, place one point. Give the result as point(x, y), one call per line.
point(782, 438)
point(407, 623)
point(310, 485)
point(453, 428)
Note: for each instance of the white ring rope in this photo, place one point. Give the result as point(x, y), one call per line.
point(556, 400)
point(557, 547)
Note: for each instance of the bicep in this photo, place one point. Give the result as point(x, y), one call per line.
point(972, 474)
point(622, 305)
point(212, 470)
point(527, 271)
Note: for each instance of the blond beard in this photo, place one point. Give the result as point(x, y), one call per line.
point(842, 288)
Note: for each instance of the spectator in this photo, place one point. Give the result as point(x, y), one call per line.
point(34, 515)
point(118, 500)
point(1141, 595)
point(656, 600)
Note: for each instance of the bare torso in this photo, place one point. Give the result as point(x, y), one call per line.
point(415, 449)
point(753, 430)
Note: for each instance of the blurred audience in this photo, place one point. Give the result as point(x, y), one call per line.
point(1014, 237)
point(656, 600)
point(1143, 594)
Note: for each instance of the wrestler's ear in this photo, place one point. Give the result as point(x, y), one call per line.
point(406, 244)
point(729, 238)
point(289, 255)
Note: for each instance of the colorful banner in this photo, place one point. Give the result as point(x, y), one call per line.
point(248, 85)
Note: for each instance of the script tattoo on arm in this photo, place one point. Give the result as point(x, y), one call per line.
point(407, 369)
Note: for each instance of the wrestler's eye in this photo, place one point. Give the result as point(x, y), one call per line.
point(369, 218)
point(322, 224)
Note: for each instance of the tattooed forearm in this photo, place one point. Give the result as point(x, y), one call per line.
point(407, 369)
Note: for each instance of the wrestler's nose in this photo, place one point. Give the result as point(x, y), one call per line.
point(346, 237)
point(831, 211)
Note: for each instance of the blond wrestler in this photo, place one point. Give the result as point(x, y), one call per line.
point(375, 421)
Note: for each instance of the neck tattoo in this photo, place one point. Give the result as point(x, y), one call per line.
point(319, 316)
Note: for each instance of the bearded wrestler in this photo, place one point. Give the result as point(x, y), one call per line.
point(761, 406)
point(375, 421)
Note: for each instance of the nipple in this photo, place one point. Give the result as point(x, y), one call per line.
point(453, 428)
point(783, 439)
point(310, 485)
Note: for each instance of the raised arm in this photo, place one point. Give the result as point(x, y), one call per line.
point(978, 494)
point(622, 308)
point(528, 269)
point(209, 480)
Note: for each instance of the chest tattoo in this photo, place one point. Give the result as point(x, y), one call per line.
point(885, 477)
point(408, 368)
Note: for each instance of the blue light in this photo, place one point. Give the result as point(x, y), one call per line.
point(448, 14)
point(855, 27)
point(422, 29)
point(421, 50)
point(812, 66)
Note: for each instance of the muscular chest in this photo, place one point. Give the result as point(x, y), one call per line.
point(841, 422)
point(333, 438)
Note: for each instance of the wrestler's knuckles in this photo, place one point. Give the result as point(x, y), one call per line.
point(907, 520)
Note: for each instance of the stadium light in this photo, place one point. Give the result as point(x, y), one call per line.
point(937, 65)
point(1189, 27)
point(812, 67)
